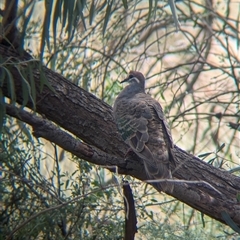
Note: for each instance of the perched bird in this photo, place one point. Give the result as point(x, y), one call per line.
point(141, 122)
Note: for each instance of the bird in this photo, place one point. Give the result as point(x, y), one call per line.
point(143, 126)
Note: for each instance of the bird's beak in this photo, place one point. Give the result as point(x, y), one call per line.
point(125, 80)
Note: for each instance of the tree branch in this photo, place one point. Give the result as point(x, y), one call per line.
point(130, 213)
point(90, 119)
point(47, 130)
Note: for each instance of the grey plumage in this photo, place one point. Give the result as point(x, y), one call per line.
point(141, 122)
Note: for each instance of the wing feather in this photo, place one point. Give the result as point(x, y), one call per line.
point(142, 124)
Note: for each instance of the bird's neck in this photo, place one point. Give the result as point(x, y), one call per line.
point(130, 91)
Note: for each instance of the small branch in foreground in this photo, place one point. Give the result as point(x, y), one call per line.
point(200, 184)
point(130, 213)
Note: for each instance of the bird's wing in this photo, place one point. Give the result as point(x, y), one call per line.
point(132, 118)
point(165, 129)
point(160, 145)
point(143, 127)
point(155, 111)
point(157, 107)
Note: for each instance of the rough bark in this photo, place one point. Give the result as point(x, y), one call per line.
point(208, 189)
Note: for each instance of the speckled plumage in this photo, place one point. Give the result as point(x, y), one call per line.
point(141, 122)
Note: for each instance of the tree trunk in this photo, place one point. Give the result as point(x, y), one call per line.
point(212, 191)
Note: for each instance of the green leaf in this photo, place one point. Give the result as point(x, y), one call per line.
point(66, 184)
point(26, 89)
point(107, 16)
point(56, 15)
point(149, 10)
point(174, 13)
point(92, 12)
point(230, 222)
point(203, 221)
point(43, 79)
point(27, 15)
point(221, 147)
point(2, 76)
point(125, 4)
point(211, 160)
point(74, 173)
point(33, 85)
point(237, 27)
point(70, 18)
point(2, 111)
point(204, 154)
point(46, 26)
point(80, 12)
point(11, 86)
point(65, 12)
point(238, 197)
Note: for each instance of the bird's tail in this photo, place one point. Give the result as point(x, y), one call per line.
point(160, 172)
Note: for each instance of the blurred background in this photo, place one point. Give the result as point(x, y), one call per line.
point(194, 74)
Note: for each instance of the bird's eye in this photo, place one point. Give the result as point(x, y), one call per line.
point(131, 76)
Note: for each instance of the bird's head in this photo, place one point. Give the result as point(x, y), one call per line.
point(135, 78)
point(136, 84)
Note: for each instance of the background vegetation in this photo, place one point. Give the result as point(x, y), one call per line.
point(47, 193)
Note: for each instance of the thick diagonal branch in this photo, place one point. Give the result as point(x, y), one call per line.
point(49, 131)
point(90, 119)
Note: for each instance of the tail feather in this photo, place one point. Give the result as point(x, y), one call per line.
point(161, 171)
